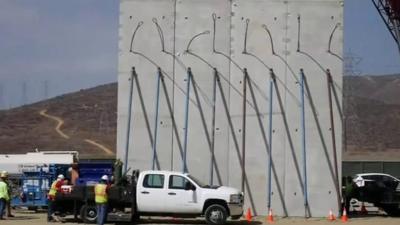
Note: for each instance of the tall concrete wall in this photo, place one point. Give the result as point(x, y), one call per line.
point(240, 160)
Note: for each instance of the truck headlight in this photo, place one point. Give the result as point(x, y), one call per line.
point(235, 198)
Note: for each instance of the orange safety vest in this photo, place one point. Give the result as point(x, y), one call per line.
point(100, 192)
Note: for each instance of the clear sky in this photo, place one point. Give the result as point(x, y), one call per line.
point(50, 47)
point(366, 37)
point(68, 44)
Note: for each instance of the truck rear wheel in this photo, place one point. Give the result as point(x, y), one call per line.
point(89, 213)
point(216, 214)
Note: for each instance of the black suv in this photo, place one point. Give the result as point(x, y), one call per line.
point(383, 190)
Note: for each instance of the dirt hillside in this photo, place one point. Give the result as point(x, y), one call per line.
point(86, 121)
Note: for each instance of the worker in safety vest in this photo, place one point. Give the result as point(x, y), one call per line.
point(4, 174)
point(4, 194)
point(101, 199)
point(54, 188)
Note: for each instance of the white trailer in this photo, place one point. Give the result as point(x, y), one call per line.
point(15, 164)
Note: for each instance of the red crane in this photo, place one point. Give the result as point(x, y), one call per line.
point(389, 10)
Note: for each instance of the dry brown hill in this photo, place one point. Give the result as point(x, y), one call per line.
point(372, 117)
point(372, 121)
point(86, 123)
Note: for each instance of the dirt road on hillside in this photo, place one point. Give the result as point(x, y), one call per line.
point(60, 123)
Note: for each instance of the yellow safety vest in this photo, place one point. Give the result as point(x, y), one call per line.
point(100, 191)
point(53, 189)
point(4, 191)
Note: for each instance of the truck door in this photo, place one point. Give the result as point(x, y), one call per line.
point(151, 193)
point(179, 200)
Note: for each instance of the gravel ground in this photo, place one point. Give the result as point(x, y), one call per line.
point(31, 218)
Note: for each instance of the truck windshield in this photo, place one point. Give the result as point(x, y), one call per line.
point(201, 184)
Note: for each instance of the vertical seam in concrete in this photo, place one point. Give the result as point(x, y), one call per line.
point(343, 146)
point(285, 102)
point(173, 89)
point(229, 89)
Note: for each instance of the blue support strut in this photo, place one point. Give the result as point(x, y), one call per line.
point(159, 77)
point(271, 87)
point(188, 80)
point(303, 140)
point(213, 127)
point(128, 129)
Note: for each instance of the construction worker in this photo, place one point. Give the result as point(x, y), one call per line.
point(4, 195)
point(74, 173)
point(101, 199)
point(8, 203)
point(51, 206)
point(348, 192)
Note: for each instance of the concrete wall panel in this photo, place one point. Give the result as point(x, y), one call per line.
point(317, 20)
point(257, 13)
point(142, 126)
point(201, 91)
point(181, 20)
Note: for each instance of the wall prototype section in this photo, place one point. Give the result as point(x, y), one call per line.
point(230, 47)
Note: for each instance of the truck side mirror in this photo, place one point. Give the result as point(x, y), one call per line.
point(189, 186)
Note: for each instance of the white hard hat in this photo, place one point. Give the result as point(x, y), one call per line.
point(60, 176)
point(104, 177)
point(4, 174)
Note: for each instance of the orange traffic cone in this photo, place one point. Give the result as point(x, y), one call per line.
point(363, 210)
point(270, 218)
point(248, 215)
point(331, 217)
point(344, 216)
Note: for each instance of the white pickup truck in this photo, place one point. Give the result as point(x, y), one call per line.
point(173, 193)
point(155, 193)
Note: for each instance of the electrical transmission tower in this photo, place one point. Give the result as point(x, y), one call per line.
point(24, 98)
point(45, 89)
point(351, 62)
point(2, 105)
point(104, 123)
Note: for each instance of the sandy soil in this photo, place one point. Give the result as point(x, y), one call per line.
point(31, 218)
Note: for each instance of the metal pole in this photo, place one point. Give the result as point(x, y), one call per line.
point(188, 80)
point(271, 87)
point(159, 77)
point(245, 76)
point(128, 129)
point(213, 127)
point(303, 142)
point(329, 82)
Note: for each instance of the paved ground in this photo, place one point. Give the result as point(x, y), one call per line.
point(31, 218)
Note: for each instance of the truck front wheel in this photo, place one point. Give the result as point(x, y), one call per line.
point(89, 213)
point(216, 214)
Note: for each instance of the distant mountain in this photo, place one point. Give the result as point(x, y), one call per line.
point(372, 117)
point(84, 121)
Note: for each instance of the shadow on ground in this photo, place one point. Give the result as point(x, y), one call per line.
point(20, 217)
point(190, 221)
